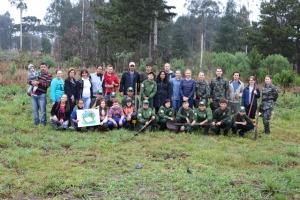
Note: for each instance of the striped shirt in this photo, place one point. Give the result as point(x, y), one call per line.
point(44, 82)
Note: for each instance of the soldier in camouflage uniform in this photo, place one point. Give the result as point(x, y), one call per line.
point(145, 114)
point(202, 116)
point(165, 113)
point(269, 96)
point(202, 91)
point(185, 115)
point(221, 118)
point(149, 89)
point(219, 89)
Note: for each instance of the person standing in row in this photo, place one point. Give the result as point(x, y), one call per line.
point(169, 73)
point(219, 89)
point(39, 101)
point(149, 89)
point(130, 78)
point(70, 90)
point(236, 92)
point(202, 91)
point(187, 88)
point(269, 97)
point(176, 98)
point(111, 81)
point(84, 88)
point(249, 98)
point(144, 75)
point(97, 80)
point(57, 87)
point(164, 90)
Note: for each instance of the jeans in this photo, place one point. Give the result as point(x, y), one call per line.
point(111, 125)
point(176, 104)
point(87, 102)
point(39, 102)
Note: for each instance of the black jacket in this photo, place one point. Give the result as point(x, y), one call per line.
point(125, 81)
point(55, 111)
point(164, 91)
point(79, 88)
point(70, 89)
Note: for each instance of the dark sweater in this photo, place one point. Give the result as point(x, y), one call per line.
point(187, 88)
point(55, 111)
point(222, 115)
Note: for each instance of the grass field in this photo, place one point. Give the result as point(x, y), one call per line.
point(37, 162)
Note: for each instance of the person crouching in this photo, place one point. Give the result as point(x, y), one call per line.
point(202, 116)
point(185, 115)
point(241, 121)
point(116, 117)
point(60, 113)
point(130, 114)
point(146, 116)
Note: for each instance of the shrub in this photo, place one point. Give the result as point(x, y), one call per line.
point(49, 60)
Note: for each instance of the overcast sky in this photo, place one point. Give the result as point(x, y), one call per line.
point(38, 8)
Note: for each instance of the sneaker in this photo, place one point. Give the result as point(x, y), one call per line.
point(206, 134)
point(34, 94)
point(71, 127)
point(251, 131)
point(28, 94)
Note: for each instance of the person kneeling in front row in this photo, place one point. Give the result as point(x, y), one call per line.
point(202, 116)
point(185, 115)
point(241, 121)
point(116, 117)
point(165, 113)
point(145, 114)
point(221, 118)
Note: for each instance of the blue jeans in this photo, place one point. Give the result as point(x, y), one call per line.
point(176, 104)
point(111, 125)
point(39, 102)
point(87, 102)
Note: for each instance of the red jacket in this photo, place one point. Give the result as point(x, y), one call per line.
point(108, 81)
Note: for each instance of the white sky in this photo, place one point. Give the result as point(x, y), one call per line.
point(38, 8)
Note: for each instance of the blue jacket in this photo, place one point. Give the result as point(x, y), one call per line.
point(57, 89)
point(187, 88)
point(246, 101)
point(175, 85)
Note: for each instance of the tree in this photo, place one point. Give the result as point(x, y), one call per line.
point(227, 33)
point(21, 5)
point(46, 45)
point(5, 31)
point(277, 31)
point(30, 25)
point(205, 11)
point(125, 24)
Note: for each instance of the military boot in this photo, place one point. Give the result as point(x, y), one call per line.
point(225, 132)
point(206, 130)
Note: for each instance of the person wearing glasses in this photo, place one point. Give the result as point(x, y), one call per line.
point(57, 87)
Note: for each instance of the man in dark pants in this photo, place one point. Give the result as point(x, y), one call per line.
point(202, 116)
point(241, 121)
point(221, 118)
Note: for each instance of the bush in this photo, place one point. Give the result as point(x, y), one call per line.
point(12, 69)
point(77, 61)
point(49, 60)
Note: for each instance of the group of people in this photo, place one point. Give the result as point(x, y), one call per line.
point(165, 97)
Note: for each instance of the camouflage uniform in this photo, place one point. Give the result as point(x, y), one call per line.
point(244, 128)
point(200, 116)
point(164, 114)
point(202, 92)
point(269, 96)
point(219, 89)
point(181, 117)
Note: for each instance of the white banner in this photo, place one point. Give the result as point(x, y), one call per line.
point(88, 117)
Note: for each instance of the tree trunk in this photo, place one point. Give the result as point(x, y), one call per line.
point(155, 39)
point(150, 41)
point(201, 51)
point(21, 31)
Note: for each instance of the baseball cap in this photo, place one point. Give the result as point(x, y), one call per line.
point(242, 109)
point(131, 63)
point(130, 89)
point(113, 94)
point(145, 102)
point(201, 103)
point(100, 92)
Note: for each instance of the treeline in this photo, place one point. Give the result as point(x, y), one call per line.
point(119, 31)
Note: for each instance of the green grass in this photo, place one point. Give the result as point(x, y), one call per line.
point(37, 162)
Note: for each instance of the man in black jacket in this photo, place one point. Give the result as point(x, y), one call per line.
point(130, 78)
